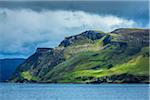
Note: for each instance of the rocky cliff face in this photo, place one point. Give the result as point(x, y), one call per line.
point(87, 35)
point(120, 56)
point(37, 65)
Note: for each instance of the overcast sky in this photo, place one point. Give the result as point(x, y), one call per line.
point(24, 26)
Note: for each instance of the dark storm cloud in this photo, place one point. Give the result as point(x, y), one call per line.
point(137, 10)
point(24, 26)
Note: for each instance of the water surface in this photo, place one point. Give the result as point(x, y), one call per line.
point(10, 91)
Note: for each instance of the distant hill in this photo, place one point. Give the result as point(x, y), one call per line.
point(120, 56)
point(8, 67)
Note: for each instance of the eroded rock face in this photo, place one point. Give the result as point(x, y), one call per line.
point(41, 62)
point(91, 35)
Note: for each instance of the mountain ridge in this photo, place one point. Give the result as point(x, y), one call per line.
point(91, 57)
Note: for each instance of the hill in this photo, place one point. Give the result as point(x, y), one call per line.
point(121, 56)
point(8, 67)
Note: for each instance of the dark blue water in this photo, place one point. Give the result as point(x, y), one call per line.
point(74, 92)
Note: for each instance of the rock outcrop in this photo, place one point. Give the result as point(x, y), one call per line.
point(91, 35)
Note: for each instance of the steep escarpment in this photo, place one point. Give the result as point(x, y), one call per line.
point(37, 65)
point(121, 56)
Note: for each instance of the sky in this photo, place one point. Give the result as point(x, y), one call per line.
point(26, 25)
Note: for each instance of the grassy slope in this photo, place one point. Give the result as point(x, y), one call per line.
point(138, 65)
point(112, 60)
point(91, 59)
point(98, 63)
point(27, 75)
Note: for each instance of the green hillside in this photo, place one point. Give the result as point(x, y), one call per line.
point(121, 56)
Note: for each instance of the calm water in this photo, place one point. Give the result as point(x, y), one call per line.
point(74, 92)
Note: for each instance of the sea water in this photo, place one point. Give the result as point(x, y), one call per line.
point(13, 91)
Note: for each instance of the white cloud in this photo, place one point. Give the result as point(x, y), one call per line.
point(21, 31)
